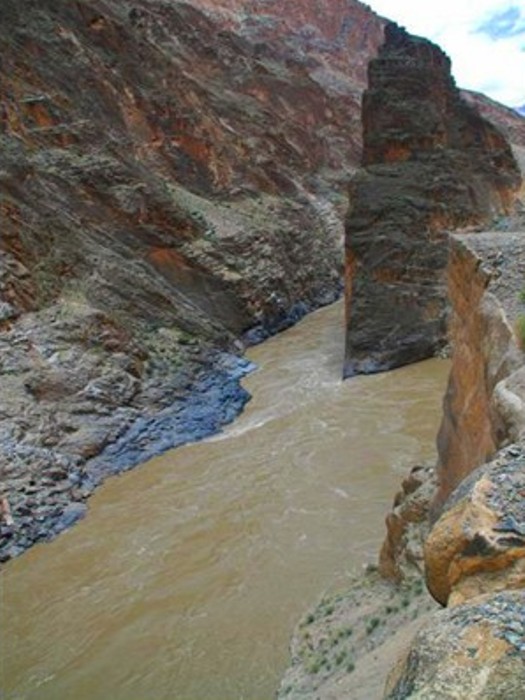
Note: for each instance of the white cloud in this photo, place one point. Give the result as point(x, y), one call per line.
point(495, 66)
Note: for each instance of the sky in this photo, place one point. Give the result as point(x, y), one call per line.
point(485, 40)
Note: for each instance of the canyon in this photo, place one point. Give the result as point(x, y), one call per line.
point(175, 184)
point(434, 175)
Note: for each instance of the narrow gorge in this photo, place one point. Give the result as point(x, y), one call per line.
point(435, 177)
point(180, 181)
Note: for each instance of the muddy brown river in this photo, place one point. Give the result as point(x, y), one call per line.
point(188, 575)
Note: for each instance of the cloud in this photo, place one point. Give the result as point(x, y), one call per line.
point(504, 25)
point(484, 38)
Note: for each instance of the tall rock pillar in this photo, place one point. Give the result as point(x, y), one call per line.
point(430, 164)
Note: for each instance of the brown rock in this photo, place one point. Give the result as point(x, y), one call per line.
point(407, 526)
point(474, 651)
point(478, 544)
point(431, 163)
point(473, 425)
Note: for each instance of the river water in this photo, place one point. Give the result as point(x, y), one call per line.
point(188, 575)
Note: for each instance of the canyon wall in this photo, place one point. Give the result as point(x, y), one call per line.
point(430, 163)
point(172, 188)
point(435, 175)
point(474, 552)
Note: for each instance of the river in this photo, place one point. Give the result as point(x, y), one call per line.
point(189, 573)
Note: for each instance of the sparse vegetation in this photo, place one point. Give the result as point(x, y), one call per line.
point(372, 624)
point(520, 330)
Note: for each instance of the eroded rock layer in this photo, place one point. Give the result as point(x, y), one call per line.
point(164, 192)
point(431, 163)
point(485, 355)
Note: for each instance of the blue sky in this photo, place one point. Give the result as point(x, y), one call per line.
point(484, 38)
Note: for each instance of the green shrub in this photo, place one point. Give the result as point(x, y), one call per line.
point(520, 331)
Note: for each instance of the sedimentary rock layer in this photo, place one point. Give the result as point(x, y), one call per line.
point(164, 190)
point(431, 163)
point(485, 354)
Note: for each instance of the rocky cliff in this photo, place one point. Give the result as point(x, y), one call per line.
point(474, 553)
point(430, 163)
point(459, 526)
point(171, 188)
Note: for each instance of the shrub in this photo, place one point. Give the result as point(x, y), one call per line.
point(520, 331)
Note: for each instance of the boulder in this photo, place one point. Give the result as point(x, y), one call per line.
point(407, 526)
point(474, 651)
point(478, 544)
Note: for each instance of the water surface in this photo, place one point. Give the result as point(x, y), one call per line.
point(188, 575)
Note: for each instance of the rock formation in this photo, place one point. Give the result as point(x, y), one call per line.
point(485, 354)
point(166, 197)
point(430, 163)
point(472, 651)
point(478, 544)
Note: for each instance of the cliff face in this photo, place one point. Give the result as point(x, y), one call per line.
point(430, 163)
point(474, 550)
point(171, 180)
point(122, 133)
point(474, 426)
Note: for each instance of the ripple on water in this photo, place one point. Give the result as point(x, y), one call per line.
point(190, 572)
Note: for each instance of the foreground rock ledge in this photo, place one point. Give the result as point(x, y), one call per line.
point(474, 651)
point(478, 544)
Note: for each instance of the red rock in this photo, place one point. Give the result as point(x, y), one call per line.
point(431, 163)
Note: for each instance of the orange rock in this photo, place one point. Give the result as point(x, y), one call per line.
point(485, 353)
point(478, 544)
point(407, 525)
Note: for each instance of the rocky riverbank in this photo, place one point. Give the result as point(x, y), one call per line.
point(84, 400)
point(455, 532)
point(457, 529)
point(152, 227)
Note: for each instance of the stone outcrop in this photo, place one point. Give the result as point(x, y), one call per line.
point(478, 544)
point(475, 650)
point(407, 525)
point(431, 163)
point(475, 564)
point(485, 354)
